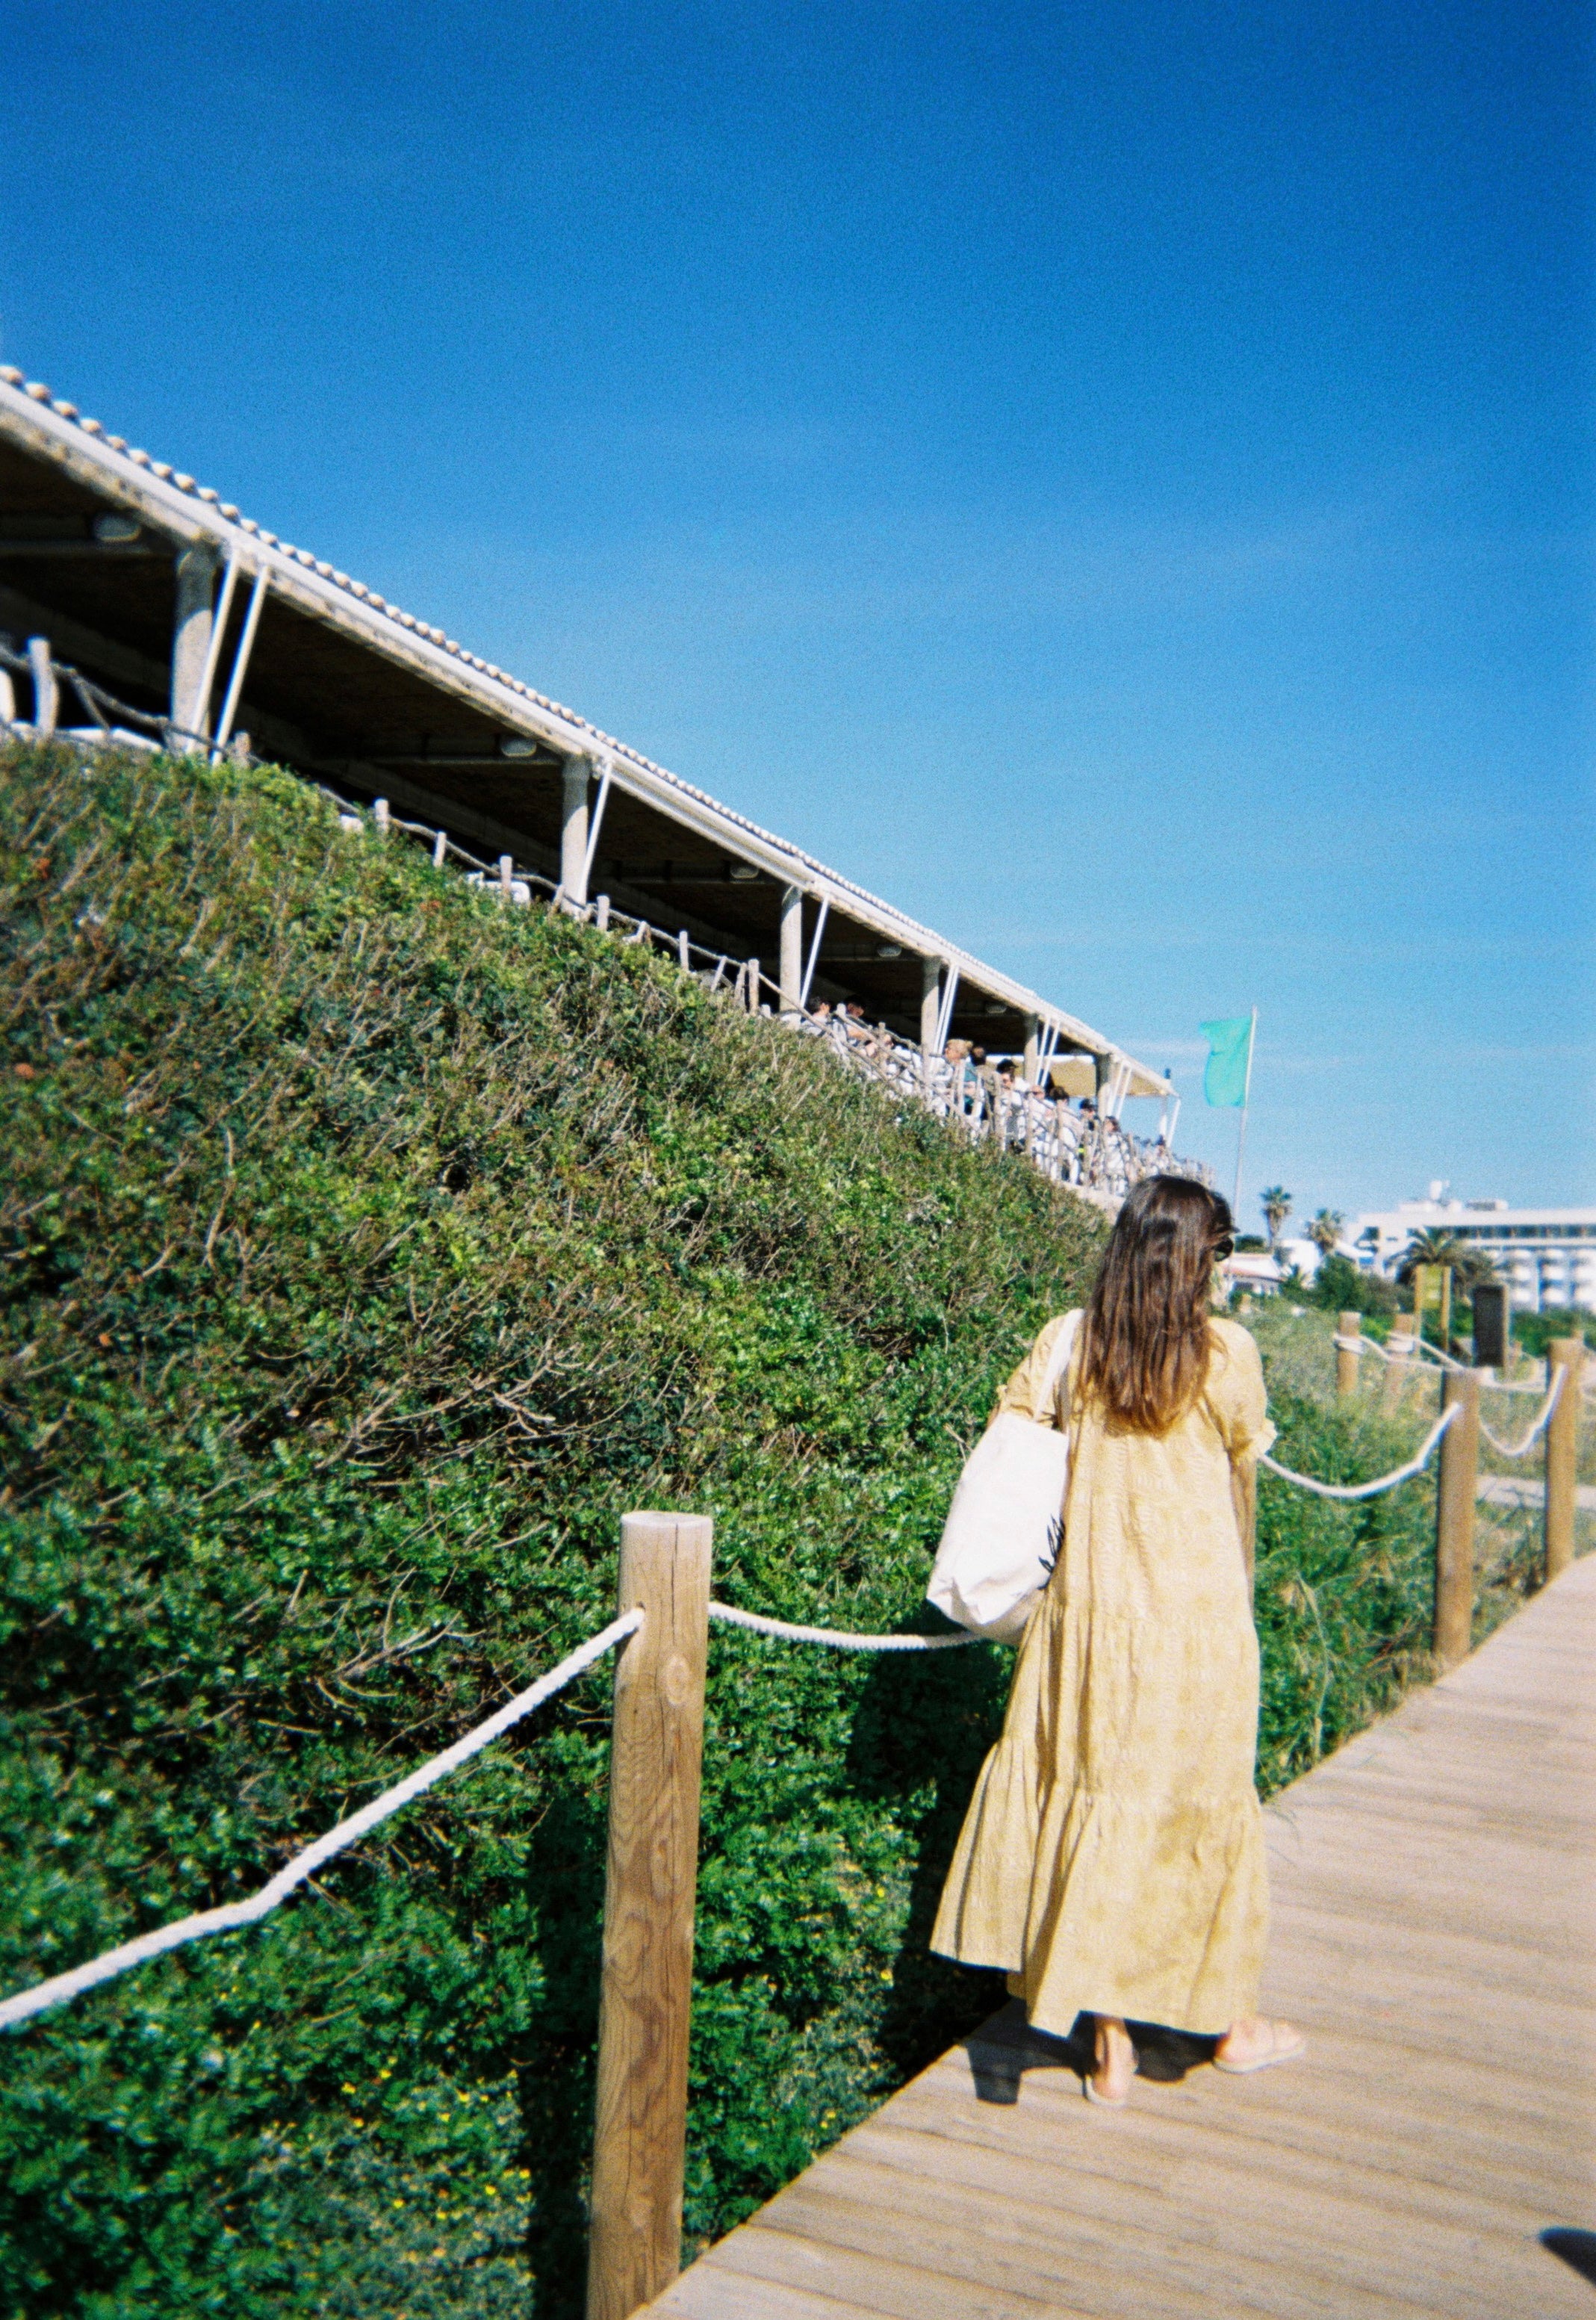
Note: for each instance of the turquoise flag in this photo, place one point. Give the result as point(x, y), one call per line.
point(1229, 1051)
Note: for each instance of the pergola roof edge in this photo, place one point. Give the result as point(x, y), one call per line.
point(191, 514)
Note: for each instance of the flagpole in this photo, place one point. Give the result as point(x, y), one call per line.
point(1241, 1131)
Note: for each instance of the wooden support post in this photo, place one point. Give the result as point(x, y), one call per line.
point(1563, 1431)
point(753, 975)
point(639, 2138)
point(791, 974)
point(8, 698)
point(573, 830)
point(192, 622)
point(601, 916)
point(1455, 1519)
point(506, 877)
point(439, 850)
point(379, 814)
point(931, 1006)
point(1349, 1326)
point(684, 955)
point(1033, 1050)
point(46, 691)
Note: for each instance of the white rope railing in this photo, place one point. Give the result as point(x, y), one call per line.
point(235, 1914)
point(1415, 1465)
point(1413, 1347)
point(835, 1639)
point(1543, 1419)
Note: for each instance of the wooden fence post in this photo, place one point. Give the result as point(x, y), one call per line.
point(634, 2249)
point(1399, 1346)
point(1455, 1519)
point(1347, 1360)
point(1563, 1433)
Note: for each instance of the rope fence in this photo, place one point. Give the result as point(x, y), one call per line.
point(834, 1638)
point(1542, 1421)
point(232, 1914)
point(1415, 1465)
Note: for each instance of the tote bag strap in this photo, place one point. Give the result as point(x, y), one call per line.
point(1059, 1360)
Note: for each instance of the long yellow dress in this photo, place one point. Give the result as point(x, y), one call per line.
point(1113, 1855)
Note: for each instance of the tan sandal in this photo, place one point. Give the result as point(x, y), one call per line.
point(1286, 2051)
point(1104, 2102)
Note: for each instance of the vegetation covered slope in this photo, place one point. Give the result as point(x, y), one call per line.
point(368, 1250)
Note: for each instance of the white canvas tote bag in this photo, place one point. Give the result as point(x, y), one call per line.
point(1003, 1529)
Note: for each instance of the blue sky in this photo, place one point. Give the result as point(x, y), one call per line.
point(1117, 481)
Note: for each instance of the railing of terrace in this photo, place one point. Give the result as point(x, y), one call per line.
point(1093, 1154)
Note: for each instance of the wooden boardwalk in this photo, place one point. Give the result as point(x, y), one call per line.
point(1433, 1934)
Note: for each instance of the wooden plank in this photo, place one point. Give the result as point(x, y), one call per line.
point(1500, 2156)
point(712, 2291)
point(1167, 2137)
point(903, 2291)
point(1215, 2265)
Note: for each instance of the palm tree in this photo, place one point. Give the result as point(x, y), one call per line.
point(1276, 1204)
point(1467, 1262)
point(1324, 1231)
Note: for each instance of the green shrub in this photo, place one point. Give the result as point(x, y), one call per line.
point(1535, 1331)
point(369, 1249)
point(1340, 1286)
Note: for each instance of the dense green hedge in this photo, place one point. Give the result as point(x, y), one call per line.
point(368, 1249)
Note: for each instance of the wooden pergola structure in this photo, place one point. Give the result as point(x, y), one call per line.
point(165, 595)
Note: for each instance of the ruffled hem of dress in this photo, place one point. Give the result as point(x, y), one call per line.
point(1110, 1880)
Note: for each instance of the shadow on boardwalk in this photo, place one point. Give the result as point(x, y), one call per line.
point(1433, 1933)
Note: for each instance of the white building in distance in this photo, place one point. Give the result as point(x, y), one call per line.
point(1547, 1255)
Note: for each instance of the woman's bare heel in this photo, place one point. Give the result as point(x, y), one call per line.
point(1109, 2083)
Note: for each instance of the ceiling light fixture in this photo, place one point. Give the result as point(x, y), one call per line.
point(517, 745)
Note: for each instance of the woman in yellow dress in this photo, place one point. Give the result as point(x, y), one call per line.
point(1111, 1861)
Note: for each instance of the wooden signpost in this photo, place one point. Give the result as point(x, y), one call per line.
point(1432, 1293)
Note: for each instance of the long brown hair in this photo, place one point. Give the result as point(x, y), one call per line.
point(1145, 1357)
